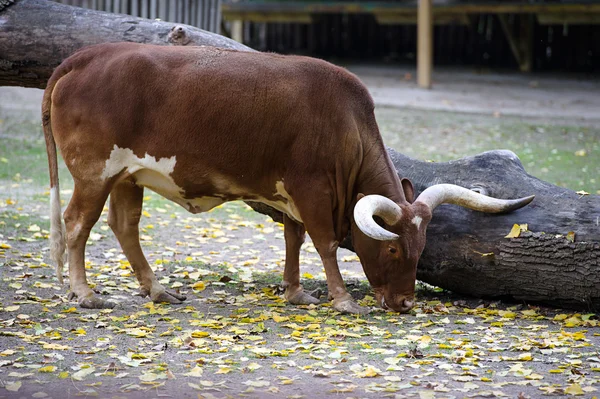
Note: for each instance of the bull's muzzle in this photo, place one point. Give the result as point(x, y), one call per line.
point(404, 305)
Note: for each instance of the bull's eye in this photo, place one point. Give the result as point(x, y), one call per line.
point(392, 250)
point(480, 189)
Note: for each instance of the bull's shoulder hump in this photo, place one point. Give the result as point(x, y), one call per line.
point(344, 80)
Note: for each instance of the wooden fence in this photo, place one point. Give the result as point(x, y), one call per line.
point(527, 34)
point(482, 43)
point(204, 14)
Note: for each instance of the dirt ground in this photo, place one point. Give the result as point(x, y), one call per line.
point(552, 97)
point(235, 336)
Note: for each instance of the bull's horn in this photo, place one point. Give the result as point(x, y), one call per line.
point(376, 205)
point(452, 194)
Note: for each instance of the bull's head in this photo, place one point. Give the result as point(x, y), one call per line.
point(390, 245)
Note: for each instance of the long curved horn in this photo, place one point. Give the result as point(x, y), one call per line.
point(452, 194)
point(376, 205)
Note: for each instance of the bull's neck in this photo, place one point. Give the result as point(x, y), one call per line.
point(378, 175)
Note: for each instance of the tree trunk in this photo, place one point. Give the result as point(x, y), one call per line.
point(466, 251)
point(37, 35)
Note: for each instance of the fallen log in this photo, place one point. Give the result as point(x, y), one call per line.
point(466, 251)
point(37, 35)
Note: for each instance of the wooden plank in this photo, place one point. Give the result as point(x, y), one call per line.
point(153, 9)
point(387, 18)
point(135, 8)
point(206, 19)
point(187, 17)
point(198, 20)
point(219, 15)
point(512, 40)
point(213, 19)
point(521, 45)
point(425, 44)
point(526, 27)
point(282, 17)
point(406, 8)
point(568, 19)
point(237, 30)
point(144, 8)
point(172, 12)
point(180, 11)
point(163, 12)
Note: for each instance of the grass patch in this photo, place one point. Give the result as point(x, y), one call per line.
point(22, 224)
point(565, 155)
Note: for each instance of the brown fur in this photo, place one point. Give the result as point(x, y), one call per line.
point(237, 123)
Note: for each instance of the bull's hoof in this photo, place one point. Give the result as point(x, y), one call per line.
point(345, 305)
point(168, 297)
point(93, 302)
point(303, 298)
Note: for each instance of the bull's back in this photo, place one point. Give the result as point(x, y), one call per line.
point(246, 117)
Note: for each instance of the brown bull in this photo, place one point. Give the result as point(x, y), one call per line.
point(202, 126)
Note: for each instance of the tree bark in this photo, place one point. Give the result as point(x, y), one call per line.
point(37, 35)
point(466, 251)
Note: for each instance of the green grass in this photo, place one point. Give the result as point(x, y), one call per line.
point(18, 223)
point(565, 155)
point(24, 161)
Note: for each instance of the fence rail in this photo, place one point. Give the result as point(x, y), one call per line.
point(204, 14)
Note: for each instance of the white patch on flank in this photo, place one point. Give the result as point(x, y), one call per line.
point(286, 206)
point(201, 204)
point(156, 175)
point(417, 221)
point(124, 158)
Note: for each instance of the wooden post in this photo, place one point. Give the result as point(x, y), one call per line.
point(424, 44)
point(521, 44)
point(237, 30)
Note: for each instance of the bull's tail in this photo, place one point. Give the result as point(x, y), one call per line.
point(57, 229)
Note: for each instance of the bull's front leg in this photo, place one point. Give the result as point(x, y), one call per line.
point(319, 224)
point(294, 234)
point(342, 301)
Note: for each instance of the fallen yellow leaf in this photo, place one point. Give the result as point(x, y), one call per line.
point(574, 389)
point(13, 387)
point(516, 230)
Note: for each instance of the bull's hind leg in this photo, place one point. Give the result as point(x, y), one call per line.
point(80, 216)
point(124, 215)
point(294, 238)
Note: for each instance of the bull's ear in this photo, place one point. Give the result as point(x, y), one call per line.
point(409, 190)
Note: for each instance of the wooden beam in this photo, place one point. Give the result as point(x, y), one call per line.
point(237, 30)
point(387, 18)
point(408, 8)
point(512, 40)
point(425, 43)
point(279, 17)
point(568, 19)
point(521, 44)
